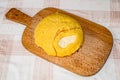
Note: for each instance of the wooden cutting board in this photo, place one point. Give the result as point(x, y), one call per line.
point(87, 61)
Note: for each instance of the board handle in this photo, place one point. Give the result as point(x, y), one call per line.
point(18, 16)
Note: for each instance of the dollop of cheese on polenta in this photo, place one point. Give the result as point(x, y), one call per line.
point(58, 35)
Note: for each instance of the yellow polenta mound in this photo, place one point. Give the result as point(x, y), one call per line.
point(58, 35)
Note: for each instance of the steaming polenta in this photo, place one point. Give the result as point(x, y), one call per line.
point(58, 35)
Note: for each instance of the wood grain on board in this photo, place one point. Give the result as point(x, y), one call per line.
point(87, 61)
